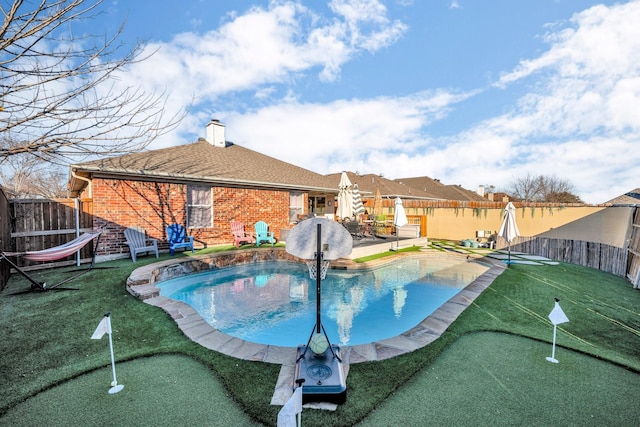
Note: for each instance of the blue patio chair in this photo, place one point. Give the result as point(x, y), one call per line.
point(177, 237)
point(263, 234)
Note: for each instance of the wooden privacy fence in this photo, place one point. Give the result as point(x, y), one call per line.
point(589, 254)
point(5, 236)
point(38, 224)
point(633, 265)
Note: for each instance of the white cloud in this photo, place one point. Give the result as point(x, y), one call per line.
point(266, 46)
point(577, 118)
point(579, 121)
point(364, 135)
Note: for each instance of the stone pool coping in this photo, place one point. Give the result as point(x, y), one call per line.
point(141, 284)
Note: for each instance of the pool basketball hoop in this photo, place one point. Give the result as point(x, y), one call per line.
point(319, 371)
point(313, 269)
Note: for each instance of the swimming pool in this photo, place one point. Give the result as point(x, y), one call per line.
point(274, 302)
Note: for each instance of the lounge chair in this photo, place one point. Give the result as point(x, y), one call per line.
point(239, 235)
point(263, 234)
point(177, 237)
point(139, 243)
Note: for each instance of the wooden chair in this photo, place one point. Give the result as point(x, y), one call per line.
point(239, 235)
point(263, 234)
point(177, 237)
point(139, 243)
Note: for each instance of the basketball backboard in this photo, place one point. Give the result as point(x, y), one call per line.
point(302, 240)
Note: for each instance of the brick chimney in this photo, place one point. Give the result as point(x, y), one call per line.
point(215, 133)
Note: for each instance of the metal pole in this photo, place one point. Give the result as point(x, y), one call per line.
point(77, 219)
point(318, 276)
point(115, 386)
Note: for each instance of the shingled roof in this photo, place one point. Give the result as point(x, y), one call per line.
point(441, 191)
point(202, 162)
point(629, 198)
point(369, 183)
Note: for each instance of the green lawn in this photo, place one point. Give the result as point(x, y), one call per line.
point(466, 377)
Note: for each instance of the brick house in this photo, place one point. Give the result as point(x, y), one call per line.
point(203, 185)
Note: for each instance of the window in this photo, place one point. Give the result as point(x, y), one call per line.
point(199, 206)
point(317, 205)
point(296, 201)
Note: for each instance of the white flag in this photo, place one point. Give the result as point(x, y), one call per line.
point(104, 327)
point(287, 415)
point(557, 316)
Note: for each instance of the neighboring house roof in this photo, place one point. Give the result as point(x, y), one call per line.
point(202, 162)
point(370, 183)
point(630, 198)
point(441, 191)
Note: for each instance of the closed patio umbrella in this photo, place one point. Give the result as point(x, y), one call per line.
point(377, 203)
point(509, 229)
point(357, 205)
point(345, 200)
point(399, 218)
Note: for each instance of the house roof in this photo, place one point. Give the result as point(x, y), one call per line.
point(439, 190)
point(231, 165)
point(368, 185)
point(629, 198)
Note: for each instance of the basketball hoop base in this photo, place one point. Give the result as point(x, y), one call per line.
point(323, 375)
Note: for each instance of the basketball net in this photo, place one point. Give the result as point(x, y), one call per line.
point(323, 269)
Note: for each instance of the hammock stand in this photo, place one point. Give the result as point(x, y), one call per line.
point(53, 254)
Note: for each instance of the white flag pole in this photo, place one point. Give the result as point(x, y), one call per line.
point(291, 413)
point(553, 359)
point(115, 386)
point(104, 327)
point(557, 317)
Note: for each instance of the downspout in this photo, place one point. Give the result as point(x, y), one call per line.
point(77, 209)
point(77, 220)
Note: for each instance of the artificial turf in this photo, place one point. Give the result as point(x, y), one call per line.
point(45, 345)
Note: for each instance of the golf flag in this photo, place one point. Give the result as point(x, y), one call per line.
point(557, 316)
point(293, 407)
point(104, 327)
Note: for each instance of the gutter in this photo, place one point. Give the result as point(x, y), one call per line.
point(87, 180)
point(229, 182)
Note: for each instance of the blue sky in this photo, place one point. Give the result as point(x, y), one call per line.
point(470, 92)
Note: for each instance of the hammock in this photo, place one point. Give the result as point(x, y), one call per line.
point(57, 252)
point(53, 254)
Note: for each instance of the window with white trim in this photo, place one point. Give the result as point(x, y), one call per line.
point(199, 206)
point(296, 205)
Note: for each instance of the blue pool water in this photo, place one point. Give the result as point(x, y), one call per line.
point(275, 302)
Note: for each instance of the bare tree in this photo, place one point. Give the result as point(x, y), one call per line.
point(524, 188)
point(543, 188)
point(28, 177)
point(60, 93)
point(557, 190)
